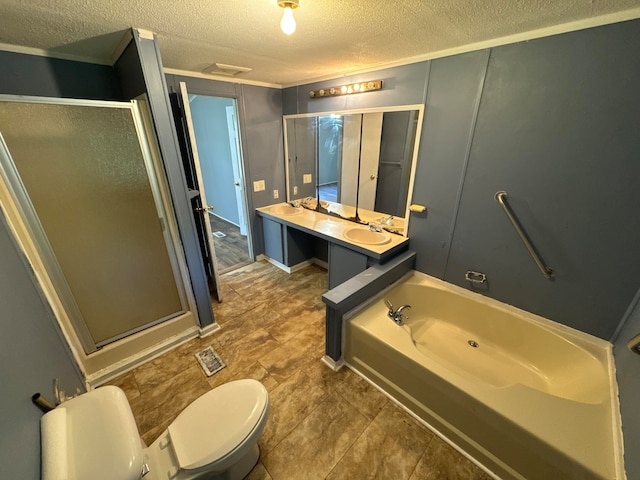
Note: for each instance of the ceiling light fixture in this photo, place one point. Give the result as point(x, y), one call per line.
point(288, 23)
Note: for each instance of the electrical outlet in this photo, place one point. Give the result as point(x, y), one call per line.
point(306, 178)
point(275, 194)
point(295, 190)
point(258, 186)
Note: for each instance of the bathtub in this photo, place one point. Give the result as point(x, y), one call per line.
point(523, 396)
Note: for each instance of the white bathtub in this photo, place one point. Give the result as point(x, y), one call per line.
point(524, 396)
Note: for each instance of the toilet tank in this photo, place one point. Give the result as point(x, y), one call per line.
point(91, 436)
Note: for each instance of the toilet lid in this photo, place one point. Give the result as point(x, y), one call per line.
point(217, 422)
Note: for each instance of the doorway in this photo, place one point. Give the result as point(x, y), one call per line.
point(217, 138)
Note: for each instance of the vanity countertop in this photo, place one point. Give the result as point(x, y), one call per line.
point(332, 229)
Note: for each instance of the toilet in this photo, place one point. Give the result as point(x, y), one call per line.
point(95, 436)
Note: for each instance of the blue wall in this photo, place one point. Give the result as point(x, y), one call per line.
point(555, 123)
point(32, 349)
point(552, 121)
point(50, 77)
point(557, 128)
point(212, 136)
point(32, 354)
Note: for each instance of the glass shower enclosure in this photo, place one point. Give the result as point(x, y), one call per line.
point(81, 175)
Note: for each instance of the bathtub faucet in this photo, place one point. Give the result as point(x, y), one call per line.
point(396, 315)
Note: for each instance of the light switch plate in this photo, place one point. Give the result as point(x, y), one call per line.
point(258, 186)
point(306, 178)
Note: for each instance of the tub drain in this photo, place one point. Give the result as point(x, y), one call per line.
point(473, 343)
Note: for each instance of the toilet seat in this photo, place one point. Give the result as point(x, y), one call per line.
point(218, 422)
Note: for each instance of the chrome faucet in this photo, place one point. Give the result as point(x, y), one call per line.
point(375, 228)
point(308, 202)
point(396, 315)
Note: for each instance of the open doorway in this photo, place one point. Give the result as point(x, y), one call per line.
point(215, 127)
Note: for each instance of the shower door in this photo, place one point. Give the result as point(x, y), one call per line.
point(81, 176)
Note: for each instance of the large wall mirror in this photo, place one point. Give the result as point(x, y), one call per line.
point(364, 159)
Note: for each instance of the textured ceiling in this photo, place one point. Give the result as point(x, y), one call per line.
point(332, 38)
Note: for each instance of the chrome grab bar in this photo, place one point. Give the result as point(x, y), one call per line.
point(501, 198)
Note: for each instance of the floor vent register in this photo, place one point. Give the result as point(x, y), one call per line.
point(210, 361)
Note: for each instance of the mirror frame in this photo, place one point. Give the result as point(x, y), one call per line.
point(396, 108)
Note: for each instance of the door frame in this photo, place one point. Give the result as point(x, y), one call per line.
point(246, 204)
point(238, 171)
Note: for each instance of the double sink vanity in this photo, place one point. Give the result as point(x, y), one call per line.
point(357, 164)
point(349, 182)
point(293, 235)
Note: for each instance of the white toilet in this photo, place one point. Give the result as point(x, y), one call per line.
point(94, 436)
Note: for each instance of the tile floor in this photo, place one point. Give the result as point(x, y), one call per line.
point(323, 424)
point(231, 250)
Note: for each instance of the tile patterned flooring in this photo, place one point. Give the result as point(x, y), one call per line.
point(231, 250)
point(323, 424)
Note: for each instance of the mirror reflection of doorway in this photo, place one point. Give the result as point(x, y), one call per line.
point(329, 157)
point(215, 125)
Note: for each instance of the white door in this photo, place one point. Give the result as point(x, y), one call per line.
point(238, 181)
point(369, 159)
point(203, 197)
point(350, 159)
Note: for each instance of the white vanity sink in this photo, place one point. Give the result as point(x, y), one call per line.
point(286, 210)
point(365, 236)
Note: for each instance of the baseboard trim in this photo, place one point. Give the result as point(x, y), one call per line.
point(320, 263)
point(209, 329)
point(297, 267)
point(300, 266)
point(332, 364)
point(276, 263)
point(112, 371)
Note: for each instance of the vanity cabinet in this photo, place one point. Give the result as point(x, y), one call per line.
point(289, 246)
point(295, 239)
point(344, 264)
point(273, 240)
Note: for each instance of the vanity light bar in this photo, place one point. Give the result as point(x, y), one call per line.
point(347, 89)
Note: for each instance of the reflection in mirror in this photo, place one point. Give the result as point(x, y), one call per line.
point(330, 135)
point(363, 159)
